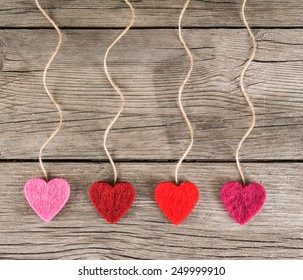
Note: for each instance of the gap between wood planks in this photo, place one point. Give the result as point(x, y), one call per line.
point(152, 161)
point(255, 27)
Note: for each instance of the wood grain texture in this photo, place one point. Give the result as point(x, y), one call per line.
point(144, 233)
point(152, 13)
point(149, 66)
point(150, 136)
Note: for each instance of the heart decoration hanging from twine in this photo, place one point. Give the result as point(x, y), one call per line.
point(243, 203)
point(177, 202)
point(112, 202)
point(47, 198)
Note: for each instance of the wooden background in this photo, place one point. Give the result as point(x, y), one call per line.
point(150, 136)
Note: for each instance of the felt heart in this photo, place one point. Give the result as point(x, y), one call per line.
point(112, 203)
point(47, 198)
point(243, 203)
point(177, 202)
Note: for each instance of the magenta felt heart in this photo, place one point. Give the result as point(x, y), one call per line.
point(177, 202)
point(243, 203)
point(112, 203)
point(47, 198)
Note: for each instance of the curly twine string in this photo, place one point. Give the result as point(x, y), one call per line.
point(116, 88)
point(46, 89)
point(191, 131)
point(251, 106)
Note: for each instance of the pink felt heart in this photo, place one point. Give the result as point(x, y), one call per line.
point(243, 203)
point(47, 199)
point(177, 202)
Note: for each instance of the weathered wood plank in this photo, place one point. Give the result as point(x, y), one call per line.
point(148, 66)
point(152, 13)
point(144, 233)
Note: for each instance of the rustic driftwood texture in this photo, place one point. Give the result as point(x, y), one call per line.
point(144, 233)
point(152, 13)
point(148, 64)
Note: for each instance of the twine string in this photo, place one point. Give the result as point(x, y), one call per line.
point(47, 90)
point(191, 131)
point(250, 104)
point(133, 16)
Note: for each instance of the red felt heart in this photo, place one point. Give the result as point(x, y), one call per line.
point(112, 203)
point(243, 203)
point(177, 202)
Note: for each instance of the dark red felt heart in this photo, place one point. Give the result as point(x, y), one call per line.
point(177, 202)
point(112, 203)
point(243, 203)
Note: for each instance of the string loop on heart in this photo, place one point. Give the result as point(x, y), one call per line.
point(133, 16)
point(46, 88)
point(191, 131)
point(250, 104)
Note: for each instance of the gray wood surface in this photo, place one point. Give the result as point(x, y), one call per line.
point(150, 136)
point(145, 233)
point(149, 73)
point(152, 13)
